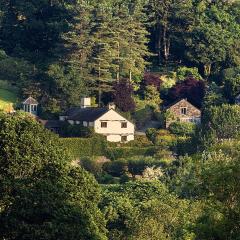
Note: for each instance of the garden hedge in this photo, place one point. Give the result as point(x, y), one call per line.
point(85, 147)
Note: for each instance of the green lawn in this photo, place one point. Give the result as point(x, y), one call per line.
point(7, 99)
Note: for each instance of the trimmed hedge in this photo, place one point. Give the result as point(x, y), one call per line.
point(139, 141)
point(114, 153)
point(85, 147)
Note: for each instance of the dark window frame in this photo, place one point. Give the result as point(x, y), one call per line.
point(183, 110)
point(123, 138)
point(104, 124)
point(123, 124)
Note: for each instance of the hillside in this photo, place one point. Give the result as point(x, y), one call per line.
point(7, 99)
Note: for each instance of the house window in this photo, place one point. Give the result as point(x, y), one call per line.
point(124, 125)
point(103, 124)
point(184, 111)
point(123, 138)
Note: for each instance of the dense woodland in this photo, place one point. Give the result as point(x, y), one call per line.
point(58, 51)
point(180, 183)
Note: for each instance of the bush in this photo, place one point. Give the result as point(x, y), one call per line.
point(85, 147)
point(124, 152)
point(160, 137)
point(185, 72)
point(182, 128)
point(116, 168)
point(92, 166)
point(134, 166)
point(151, 79)
point(222, 121)
point(151, 134)
point(69, 130)
point(139, 141)
point(164, 139)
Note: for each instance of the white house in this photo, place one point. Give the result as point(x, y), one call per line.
point(106, 121)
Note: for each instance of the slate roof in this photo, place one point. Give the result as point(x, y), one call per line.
point(177, 101)
point(51, 123)
point(30, 101)
point(89, 114)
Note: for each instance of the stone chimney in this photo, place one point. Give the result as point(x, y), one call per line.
point(111, 106)
point(85, 102)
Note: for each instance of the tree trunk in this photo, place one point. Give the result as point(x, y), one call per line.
point(118, 60)
point(158, 43)
point(166, 44)
point(99, 86)
point(130, 75)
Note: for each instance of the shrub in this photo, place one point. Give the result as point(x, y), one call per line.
point(151, 79)
point(151, 134)
point(223, 121)
point(134, 166)
point(185, 72)
point(92, 166)
point(182, 128)
point(115, 153)
point(116, 168)
point(139, 141)
point(69, 130)
point(164, 139)
point(85, 147)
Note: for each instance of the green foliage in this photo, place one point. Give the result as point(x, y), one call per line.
point(186, 72)
point(143, 210)
point(212, 177)
point(131, 165)
point(124, 152)
point(231, 81)
point(143, 113)
point(151, 134)
point(222, 121)
point(42, 195)
point(152, 97)
point(162, 138)
point(182, 128)
point(68, 83)
point(85, 147)
point(139, 141)
point(213, 96)
point(69, 130)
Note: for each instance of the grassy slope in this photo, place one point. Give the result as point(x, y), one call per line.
point(7, 98)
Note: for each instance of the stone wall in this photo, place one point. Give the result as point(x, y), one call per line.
point(193, 114)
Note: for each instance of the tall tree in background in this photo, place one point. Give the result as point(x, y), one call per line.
point(119, 41)
point(215, 32)
point(32, 29)
point(123, 98)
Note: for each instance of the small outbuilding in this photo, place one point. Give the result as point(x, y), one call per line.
point(183, 111)
point(30, 105)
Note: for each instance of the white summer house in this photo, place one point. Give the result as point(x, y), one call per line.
point(105, 120)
